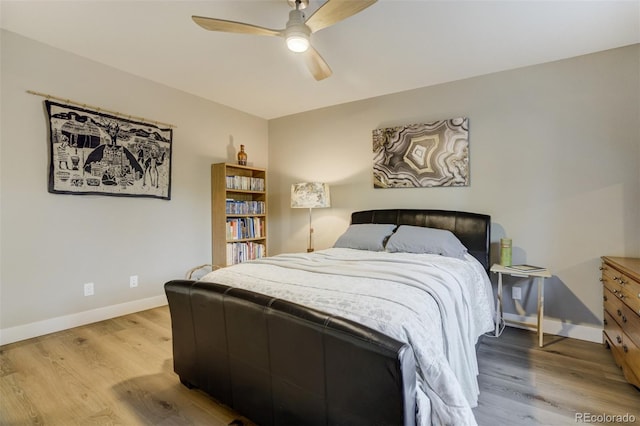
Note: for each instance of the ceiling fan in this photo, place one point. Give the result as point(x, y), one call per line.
point(298, 30)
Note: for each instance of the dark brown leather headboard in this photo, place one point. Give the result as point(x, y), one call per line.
point(472, 229)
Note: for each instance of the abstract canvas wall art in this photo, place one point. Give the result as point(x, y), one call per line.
point(422, 155)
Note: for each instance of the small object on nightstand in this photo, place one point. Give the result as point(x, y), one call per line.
point(540, 273)
point(526, 268)
point(505, 251)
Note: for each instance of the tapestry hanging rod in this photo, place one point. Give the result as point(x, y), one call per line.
point(98, 109)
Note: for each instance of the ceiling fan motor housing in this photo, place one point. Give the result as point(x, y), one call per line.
point(297, 32)
point(300, 4)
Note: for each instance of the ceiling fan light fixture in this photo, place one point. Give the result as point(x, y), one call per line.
point(297, 33)
point(297, 42)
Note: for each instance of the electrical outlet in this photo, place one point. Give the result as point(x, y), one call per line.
point(133, 281)
point(516, 293)
point(88, 289)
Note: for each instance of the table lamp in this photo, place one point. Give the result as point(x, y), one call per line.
point(310, 195)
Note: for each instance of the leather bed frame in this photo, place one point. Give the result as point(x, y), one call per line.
point(280, 363)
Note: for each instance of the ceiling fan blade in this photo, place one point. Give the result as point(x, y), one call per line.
point(213, 24)
point(334, 11)
point(318, 67)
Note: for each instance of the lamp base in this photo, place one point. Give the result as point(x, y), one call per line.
point(309, 250)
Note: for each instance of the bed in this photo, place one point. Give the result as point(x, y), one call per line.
point(374, 331)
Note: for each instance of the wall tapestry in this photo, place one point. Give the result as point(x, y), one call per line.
point(422, 155)
point(97, 153)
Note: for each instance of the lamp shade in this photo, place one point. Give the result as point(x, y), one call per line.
point(310, 195)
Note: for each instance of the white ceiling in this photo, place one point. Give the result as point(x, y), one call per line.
point(392, 46)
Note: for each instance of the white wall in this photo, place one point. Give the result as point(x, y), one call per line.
point(52, 244)
point(554, 154)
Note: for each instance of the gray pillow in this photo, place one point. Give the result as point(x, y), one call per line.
point(418, 239)
point(365, 236)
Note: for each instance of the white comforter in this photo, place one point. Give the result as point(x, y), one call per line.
point(439, 305)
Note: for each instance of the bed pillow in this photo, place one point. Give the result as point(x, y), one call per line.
point(365, 236)
point(418, 239)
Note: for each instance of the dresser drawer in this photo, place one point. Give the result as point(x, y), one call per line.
point(631, 354)
point(630, 289)
point(613, 305)
point(630, 323)
point(613, 333)
point(625, 352)
point(623, 280)
point(611, 280)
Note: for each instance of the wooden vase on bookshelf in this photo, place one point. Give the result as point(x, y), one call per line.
point(238, 213)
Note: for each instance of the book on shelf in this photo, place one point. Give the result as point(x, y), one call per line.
point(245, 183)
point(244, 207)
point(526, 268)
point(241, 228)
point(242, 252)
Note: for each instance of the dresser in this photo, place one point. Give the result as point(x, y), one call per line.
point(621, 295)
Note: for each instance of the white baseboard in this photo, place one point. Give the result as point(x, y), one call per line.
point(549, 326)
point(40, 328)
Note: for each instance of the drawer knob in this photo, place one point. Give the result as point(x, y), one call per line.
point(605, 322)
point(601, 279)
point(601, 268)
point(618, 339)
point(605, 297)
point(619, 313)
point(624, 318)
point(625, 348)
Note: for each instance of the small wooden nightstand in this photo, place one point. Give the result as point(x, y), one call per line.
point(540, 275)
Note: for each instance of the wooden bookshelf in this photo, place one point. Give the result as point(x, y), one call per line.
point(238, 213)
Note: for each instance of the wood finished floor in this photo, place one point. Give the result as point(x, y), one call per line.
point(119, 372)
point(523, 384)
